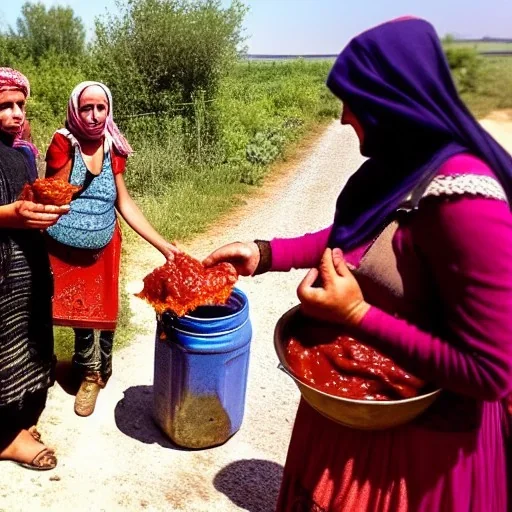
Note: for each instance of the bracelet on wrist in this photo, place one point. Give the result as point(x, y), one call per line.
point(265, 262)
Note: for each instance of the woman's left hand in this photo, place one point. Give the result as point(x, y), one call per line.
point(339, 299)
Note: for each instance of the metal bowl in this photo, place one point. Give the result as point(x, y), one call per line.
point(359, 414)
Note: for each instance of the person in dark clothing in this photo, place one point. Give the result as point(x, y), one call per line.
point(26, 336)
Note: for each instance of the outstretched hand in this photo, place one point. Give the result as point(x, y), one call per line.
point(169, 251)
point(243, 256)
point(339, 299)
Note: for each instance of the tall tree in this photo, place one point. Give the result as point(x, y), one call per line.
point(155, 53)
point(40, 30)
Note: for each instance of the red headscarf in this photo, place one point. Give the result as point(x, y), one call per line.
point(13, 80)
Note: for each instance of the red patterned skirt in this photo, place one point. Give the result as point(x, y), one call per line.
point(86, 284)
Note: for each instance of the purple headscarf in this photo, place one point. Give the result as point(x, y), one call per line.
point(396, 81)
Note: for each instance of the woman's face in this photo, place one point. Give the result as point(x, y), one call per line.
point(93, 107)
point(347, 117)
point(12, 111)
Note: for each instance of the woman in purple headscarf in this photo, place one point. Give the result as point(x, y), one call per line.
point(425, 277)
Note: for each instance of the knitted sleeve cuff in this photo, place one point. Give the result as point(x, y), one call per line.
point(265, 262)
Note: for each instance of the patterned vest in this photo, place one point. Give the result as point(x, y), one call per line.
point(91, 221)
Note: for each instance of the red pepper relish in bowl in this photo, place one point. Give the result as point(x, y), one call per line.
point(344, 379)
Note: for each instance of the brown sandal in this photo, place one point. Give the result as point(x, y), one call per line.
point(43, 461)
point(35, 433)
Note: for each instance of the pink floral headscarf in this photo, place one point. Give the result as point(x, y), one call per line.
point(83, 131)
point(13, 80)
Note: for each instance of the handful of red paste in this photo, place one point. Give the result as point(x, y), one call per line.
point(184, 284)
point(339, 365)
point(52, 191)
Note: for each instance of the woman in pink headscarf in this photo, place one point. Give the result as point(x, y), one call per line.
point(23, 139)
point(85, 250)
point(26, 335)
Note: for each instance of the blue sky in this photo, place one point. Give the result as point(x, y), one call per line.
point(325, 26)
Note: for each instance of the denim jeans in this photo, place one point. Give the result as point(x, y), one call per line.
point(93, 355)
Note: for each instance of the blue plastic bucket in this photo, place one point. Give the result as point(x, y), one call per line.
point(200, 379)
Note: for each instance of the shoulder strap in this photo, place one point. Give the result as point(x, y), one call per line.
point(412, 201)
point(69, 136)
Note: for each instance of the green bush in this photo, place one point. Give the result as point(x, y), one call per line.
point(158, 53)
point(265, 147)
point(251, 174)
point(159, 159)
point(465, 64)
point(262, 106)
point(494, 86)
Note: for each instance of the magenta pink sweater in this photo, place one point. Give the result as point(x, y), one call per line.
point(466, 245)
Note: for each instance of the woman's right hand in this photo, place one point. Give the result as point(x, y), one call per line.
point(29, 215)
point(243, 256)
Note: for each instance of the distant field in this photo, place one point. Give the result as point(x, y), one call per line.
point(266, 57)
point(485, 46)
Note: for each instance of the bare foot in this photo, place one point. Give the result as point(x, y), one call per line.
point(27, 450)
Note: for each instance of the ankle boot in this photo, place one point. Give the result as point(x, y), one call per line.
point(85, 399)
